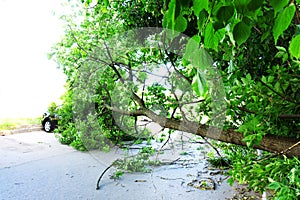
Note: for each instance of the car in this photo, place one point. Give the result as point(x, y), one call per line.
point(49, 121)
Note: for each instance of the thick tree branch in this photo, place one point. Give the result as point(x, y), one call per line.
point(271, 143)
point(289, 116)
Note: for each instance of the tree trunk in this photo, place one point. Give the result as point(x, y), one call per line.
point(271, 143)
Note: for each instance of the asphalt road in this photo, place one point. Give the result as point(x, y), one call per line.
point(35, 166)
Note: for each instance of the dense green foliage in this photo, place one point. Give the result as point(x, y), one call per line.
point(254, 44)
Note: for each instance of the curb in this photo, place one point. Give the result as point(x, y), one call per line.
point(30, 128)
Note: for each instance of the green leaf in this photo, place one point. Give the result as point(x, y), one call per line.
point(231, 181)
point(106, 3)
point(219, 35)
point(258, 139)
point(249, 140)
point(180, 24)
point(281, 48)
point(209, 36)
point(242, 129)
point(241, 5)
point(270, 79)
point(185, 4)
point(277, 87)
point(225, 13)
point(203, 15)
point(263, 79)
point(248, 76)
point(280, 54)
point(202, 60)
point(197, 39)
point(278, 4)
point(283, 20)
point(198, 57)
point(169, 17)
point(242, 2)
point(295, 47)
point(254, 5)
point(199, 85)
point(245, 81)
point(199, 5)
point(241, 32)
point(191, 47)
point(274, 186)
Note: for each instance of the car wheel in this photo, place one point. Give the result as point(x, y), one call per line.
point(48, 126)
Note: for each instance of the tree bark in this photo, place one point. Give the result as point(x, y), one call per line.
point(271, 143)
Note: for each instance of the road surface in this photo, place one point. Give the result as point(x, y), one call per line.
point(35, 166)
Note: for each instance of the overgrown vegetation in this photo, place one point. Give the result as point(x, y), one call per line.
point(248, 48)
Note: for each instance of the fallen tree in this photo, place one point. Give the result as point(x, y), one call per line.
point(224, 70)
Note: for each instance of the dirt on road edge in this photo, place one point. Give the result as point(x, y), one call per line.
point(22, 129)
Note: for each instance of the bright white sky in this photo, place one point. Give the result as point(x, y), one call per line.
point(28, 80)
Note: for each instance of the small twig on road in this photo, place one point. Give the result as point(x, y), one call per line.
point(170, 179)
point(100, 177)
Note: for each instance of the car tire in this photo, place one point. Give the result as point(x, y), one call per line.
point(48, 126)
